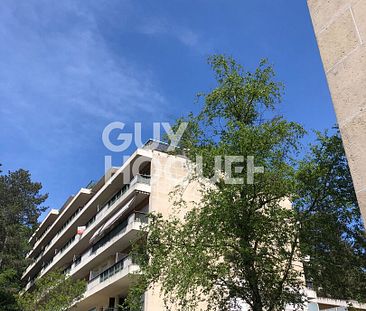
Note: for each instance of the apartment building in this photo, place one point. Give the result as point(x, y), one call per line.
point(90, 236)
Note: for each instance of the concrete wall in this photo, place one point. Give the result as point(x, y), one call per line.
point(167, 172)
point(340, 29)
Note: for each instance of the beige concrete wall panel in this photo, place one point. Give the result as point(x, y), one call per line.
point(324, 11)
point(347, 83)
point(361, 197)
point(359, 14)
point(354, 137)
point(338, 40)
point(166, 173)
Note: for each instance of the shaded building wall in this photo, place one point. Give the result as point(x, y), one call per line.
point(340, 29)
point(168, 172)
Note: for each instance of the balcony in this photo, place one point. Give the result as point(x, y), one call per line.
point(80, 199)
point(118, 238)
point(34, 262)
point(52, 241)
point(119, 197)
point(140, 183)
point(29, 284)
point(144, 179)
point(111, 280)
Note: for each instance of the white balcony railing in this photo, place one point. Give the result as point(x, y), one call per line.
point(53, 240)
point(106, 210)
point(135, 220)
point(103, 212)
point(120, 269)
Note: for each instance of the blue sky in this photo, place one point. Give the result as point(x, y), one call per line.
point(69, 68)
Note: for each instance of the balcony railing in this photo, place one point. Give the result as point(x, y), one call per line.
point(66, 245)
point(52, 241)
point(110, 238)
point(119, 266)
point(46, 264)
point(112, 270)
point(38, 240)
point(43, 233)
point(30, 284)
point(144, 179)
point(120, 229)
point(62, 229)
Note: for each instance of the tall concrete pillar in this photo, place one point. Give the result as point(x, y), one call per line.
point(340, 29)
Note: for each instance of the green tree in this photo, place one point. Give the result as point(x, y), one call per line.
point(332, 233)
point(53, 292)
point(20, 207)
point(9, 287)
point(239, 243)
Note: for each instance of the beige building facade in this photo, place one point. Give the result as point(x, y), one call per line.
point(90, 237)
point(340, 29)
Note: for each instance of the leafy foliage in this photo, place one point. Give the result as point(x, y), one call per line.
point(20, 207)
point(9, 287)
point(239, 243)
point(332, 233)
point(55, 291)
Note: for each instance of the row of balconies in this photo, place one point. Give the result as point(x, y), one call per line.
point(127, 230)
point(81, 199)
point(105, 262)
point(52, 241)
point(117, 274)
point(39, 241)
point(132, 225)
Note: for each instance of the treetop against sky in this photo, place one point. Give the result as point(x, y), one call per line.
point(72, 67)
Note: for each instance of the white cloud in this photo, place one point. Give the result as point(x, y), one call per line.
point(189, 38)
point(186, 36)
point(60, 81)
